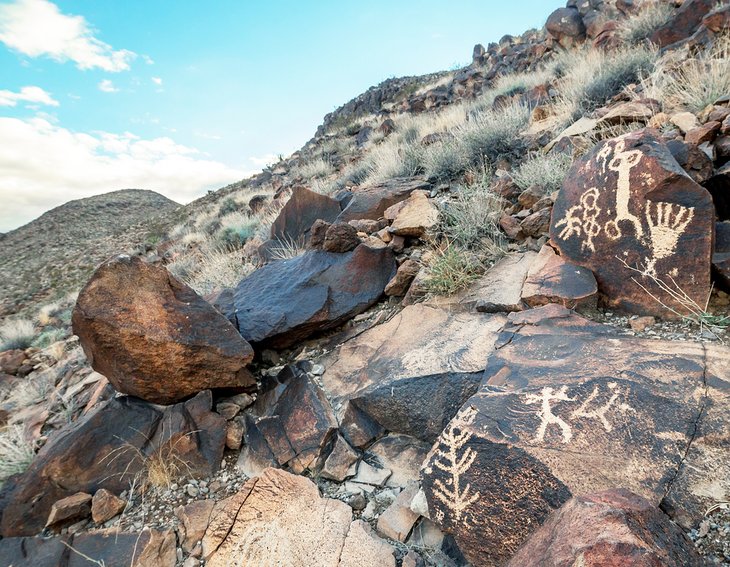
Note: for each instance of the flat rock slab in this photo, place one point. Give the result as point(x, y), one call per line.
point(281, 519)
point(153, 337)
point(500, 289)
point(371, 201)
point(108, 449)
point(626, 204)
point(287, 301)
point(570, 407)
point(613, 528)
point(411, 374)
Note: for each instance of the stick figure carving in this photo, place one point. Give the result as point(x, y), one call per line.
point(622, 163)
point(546, 415)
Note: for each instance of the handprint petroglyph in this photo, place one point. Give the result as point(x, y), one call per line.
point(667, 222)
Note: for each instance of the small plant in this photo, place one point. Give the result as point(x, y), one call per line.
point(315, 169)
point(287, 248)
point(227, 207)
point(16, 453)
point(217, 269)
point(640, 27)
point(546, 170)
point(16, 334)
point(445, 161)
point(492, 134)
point(31, 391)
point(452, 270)
point(47, 338)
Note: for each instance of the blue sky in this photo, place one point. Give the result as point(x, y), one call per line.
point(181, 97)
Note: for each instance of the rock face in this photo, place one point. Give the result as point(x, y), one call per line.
point(280, 519)
point(415, 217)
point(721, 257)
point(287, 301)
point(613, 528)
point(107, 450)
point(154, 337)
point(371, 201)
point(566, 26)
point(628, 203)
point(684, 22)
point(413, 385)
point(299, 214)
point(569, 407)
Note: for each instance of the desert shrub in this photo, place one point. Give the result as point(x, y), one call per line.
point(394, 158)
point(452, 270)
point(218, 269)
point(236, 228)
point(287, 248)
point(492, 134)
point(315, 168)
point(47, 338)
point(471, 219)
point(16, 453)
point(641, 26)
point(445, 161)
point(16, 334)
point(692, 84)
point(228, 206)
point(183, 267)
point(545, 170)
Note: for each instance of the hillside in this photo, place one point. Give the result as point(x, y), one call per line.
point(58, 251)
point(480, 319)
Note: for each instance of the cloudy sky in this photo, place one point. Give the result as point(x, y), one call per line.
point(181, 97)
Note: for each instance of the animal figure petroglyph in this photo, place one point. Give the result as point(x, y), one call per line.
point(582, 218)
point(546, 415)
point(600, 412)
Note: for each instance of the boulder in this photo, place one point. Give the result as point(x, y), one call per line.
point(108, 449)
point(415, 384)
point(340, 238)
point(341, 461)
point(566, 26)
point(683, 23)
point(553, 279)
point(612, 528)
point(105, 505)
point(302, 209)
point(559, 414)
point(295, 420)
point(416, 217)
point(110, 548)
point(194, 519)
point(287, 301)
point(401, 454)
point(721, 257)
point(371, 201)
point(11, 361)
point(692, 159)
point(69, 509)
point(281, 519)
point(500, 289)
point(154, 337)
point(630, 214)
point(400, 283)
point(397, 521)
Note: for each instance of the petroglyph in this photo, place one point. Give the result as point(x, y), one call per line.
point(600, 412)
point(622, 163)
point(450, 459)
point(266, 545)
point(582, 218)
point(667, 222)
point(546, 415)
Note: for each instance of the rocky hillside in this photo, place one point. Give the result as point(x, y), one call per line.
point(58, 251)
point(480, 319)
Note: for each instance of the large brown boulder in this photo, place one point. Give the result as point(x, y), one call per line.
point(371, 201)
point(683, 23)
point(281, 519)
point(613, 528)
point(287, 301)
point(566, 26)
point(628, 212)
point(108, 449)
point(153, 337)
point(296, 218)
point(571, 407)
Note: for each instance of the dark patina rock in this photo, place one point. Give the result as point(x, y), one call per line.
point(299, 214)
point(721, 257)
point(683, 23)
point(288, 300)
point(371, 201)
point(568, 407)
point(628, 204)
point(153, 337)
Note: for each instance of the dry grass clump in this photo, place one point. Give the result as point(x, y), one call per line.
point(16, 334)
point(639, 27)
point(16, 452)
point(492, 134)
point(546, 170)
point(314, 169)
point(216, 269)
point(287, 248)
point(31, 391)
point(590, 77)
point(692, 84)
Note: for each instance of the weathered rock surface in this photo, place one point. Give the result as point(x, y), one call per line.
point(500, 289)
point(569, 407)
point(106, 450)
point(400, 454)
point(288, 300)
point(628, 203)
point(105, 505)
point(74, 507)
point(397, 521)
point(149, 548)
point(721, 257)
point(154, 337)
point(415, 384)
point(684, 22)
point(553, 279)
point(294, 420)
point(371, 201)
point(400, 283)
point(280, 519)
point(566, 26)
point(302, 209)
point(415, 217)
point(613, 528)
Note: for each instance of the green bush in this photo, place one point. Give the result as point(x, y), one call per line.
point(452, 270)
point(445, 161)
point(227, 206)
point(47, 338)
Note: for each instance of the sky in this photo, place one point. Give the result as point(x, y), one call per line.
point(181, 97)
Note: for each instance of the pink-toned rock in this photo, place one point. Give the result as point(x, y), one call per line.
point(613, 528)
point(702, 134)
point(71, 508)
point(11, 361)
point(641, 324)
point(398, 519)
point(553, 279)
point(415, 217)
point(194, 519)
point(400, 283)
point(105, 505)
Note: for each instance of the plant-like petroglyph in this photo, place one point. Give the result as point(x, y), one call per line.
point(600, 412)
point(583, 219)
point(590, 408)
point(667, 222)
point(546, 415)
point(658, 227)
point(452, 459)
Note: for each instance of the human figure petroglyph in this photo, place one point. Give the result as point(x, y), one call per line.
point(622, 163)
point(600, 412)
point(546, 415)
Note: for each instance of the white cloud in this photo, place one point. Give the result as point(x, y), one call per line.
point(106, 86)
point(43, 165)
point(37, 27)
point(263, 161)
point(34, 95)
point(157, 81)
point(147, 59)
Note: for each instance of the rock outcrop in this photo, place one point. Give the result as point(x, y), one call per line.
point(154, 337)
